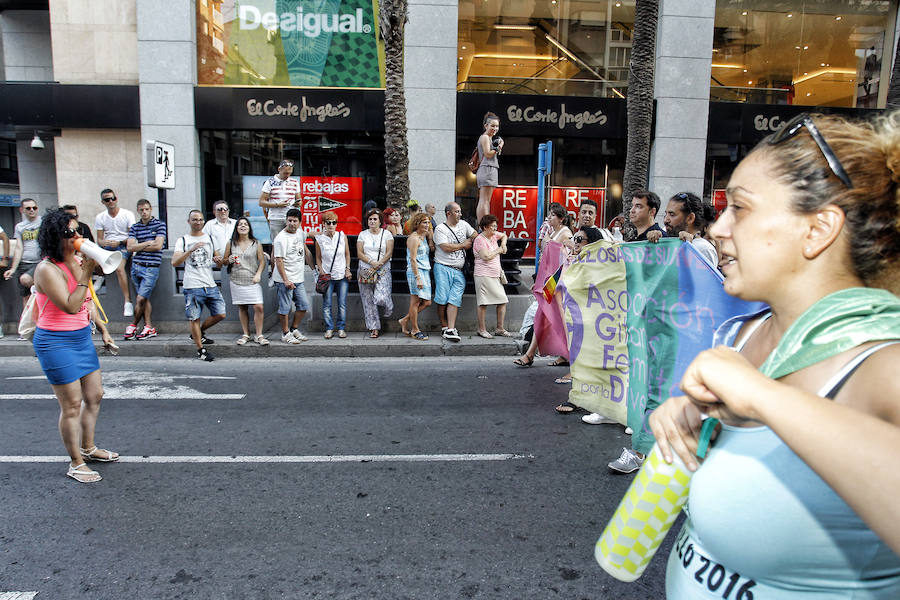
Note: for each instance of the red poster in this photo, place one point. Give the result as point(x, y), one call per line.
point(719, 202)
point(571, 198)
point(516, 210)
point(342, 195)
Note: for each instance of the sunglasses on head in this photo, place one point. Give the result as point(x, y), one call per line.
point(795, 126)
point(331, 222)
point(69, 233)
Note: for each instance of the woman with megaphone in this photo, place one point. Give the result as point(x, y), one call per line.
point(62, 341)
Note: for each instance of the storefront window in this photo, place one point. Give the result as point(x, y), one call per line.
point(811, 52)
point(555, 47)
point(338, 170)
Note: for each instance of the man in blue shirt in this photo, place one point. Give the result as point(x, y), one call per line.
point(146, 239)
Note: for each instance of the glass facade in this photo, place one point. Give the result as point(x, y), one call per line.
point(808, 52)
point(557, 47)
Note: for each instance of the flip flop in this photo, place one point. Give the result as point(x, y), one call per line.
point(420, 335)
point(374, 334)
point(559, 362)
point(563, 380)
point(486, 335)
point(503, 333)
point(566, 408)
point(524, 363)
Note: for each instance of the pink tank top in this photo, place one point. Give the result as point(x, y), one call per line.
point(53, 318)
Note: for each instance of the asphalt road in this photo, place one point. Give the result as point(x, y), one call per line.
point(517, 520)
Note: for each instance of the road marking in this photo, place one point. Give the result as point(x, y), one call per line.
point(17, 595)
point(336, 458)
point(139, 393)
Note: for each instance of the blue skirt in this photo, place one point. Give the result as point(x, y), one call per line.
point(65, 356)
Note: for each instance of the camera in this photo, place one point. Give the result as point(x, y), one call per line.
point(495, 143)
point(37, 143)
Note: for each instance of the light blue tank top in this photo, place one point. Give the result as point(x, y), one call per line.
point(421, 257)
point(783, 533)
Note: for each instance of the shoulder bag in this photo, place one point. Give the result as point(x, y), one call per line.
point(324, 278)
point(474, 161)
point(371, 275)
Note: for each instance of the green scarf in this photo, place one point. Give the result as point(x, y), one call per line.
point(837, 322)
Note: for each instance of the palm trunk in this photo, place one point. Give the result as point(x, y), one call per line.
point(393, 17)
point(893, 97)
point(639, 103)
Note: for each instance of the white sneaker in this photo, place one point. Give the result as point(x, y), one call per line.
point(129, 309)
point(451, 334)
point(289, 339)
point(629, 431)
point(597, 419)
point(299, 336)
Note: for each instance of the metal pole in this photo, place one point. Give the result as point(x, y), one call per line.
point(163, 212)
point(545, 157)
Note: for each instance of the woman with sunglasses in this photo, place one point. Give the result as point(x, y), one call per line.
point(244, 256)
point(332, 249)
point(797, 496)
point(62, 341)
point(375, 248)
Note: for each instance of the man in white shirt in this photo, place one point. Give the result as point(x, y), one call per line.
point(451, 238)
point(290, 259)
point(27, 254)
point(112, 228)
point(198, 253)
point(221, 227)
point(279, 193)
point(684, 219)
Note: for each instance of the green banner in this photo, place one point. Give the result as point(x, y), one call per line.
point(289, 43)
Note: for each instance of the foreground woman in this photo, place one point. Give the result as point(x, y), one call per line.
point(62, 342)
point(798, 496)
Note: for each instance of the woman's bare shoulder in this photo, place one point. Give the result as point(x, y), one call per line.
point(875, 387)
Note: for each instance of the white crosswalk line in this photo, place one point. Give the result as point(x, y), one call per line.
point(337, 458)
point(17, 595)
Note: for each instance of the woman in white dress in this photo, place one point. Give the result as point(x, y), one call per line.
point(374, 248)
point(244, 256)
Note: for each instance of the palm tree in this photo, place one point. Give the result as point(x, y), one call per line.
point(392, 22)
point(893, 98)
point(639, 103)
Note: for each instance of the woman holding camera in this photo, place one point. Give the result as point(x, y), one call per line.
point(487, 176)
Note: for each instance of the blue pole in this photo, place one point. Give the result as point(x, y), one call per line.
point(545, 159)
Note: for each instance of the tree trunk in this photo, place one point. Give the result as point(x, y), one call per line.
point(393, 18)
point(893, 97)
point(639, 103)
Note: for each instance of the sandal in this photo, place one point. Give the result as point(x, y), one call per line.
point(524, 363)
point(262, 341)
point(374, 334)
point(420, 335)
point(90, 454)
point(486, 335)
point(83, 474)
point(566, 408)
point(504, 333)
point(242, 340)
point(563, 380)
point(559, 362)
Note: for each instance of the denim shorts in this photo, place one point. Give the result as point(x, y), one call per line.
point(425, 292)
point(286, 298)
point(196, 298)
point(144, 279)
point(449, 285)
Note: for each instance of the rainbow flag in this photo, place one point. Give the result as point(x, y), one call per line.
point(636, 315)
point(550, 286)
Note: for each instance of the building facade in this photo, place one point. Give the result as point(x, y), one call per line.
point(237, 86)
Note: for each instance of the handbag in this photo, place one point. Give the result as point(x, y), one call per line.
point(325, 278)
point(475, 161)
point(28, 320)
point(371, 275)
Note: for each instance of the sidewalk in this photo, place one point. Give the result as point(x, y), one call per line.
point(355, 344)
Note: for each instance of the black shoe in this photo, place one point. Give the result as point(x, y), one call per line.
point(204, 340)
point(202, 354)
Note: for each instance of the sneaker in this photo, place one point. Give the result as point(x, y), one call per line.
point(629, 431)
point(451, 334)
point(628, 462)
point(597, 419)
point(299, 336)
point(129, 309)
point(288, 338)
point(444, 330)
point(147, 332)
point(342, 334)
point(130, 332)
point(203, 340)
point(202, 354)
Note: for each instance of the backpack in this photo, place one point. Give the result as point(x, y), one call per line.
point(475, 161)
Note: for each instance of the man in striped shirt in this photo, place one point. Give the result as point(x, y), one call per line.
point(146, 239)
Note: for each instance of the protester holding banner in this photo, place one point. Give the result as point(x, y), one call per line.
point(487, 176)
point(418, 276)
point(489, 277)
point(805, 462)
point(685, 220)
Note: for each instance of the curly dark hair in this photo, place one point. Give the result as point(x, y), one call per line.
point(50, 236)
